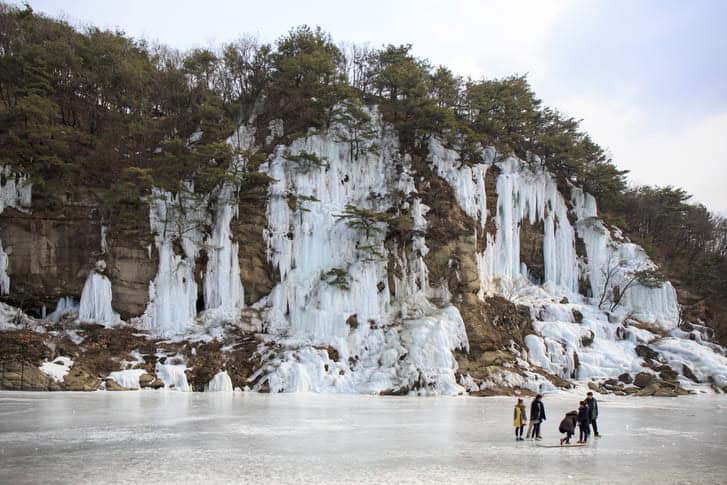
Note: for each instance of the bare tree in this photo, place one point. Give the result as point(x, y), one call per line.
point(615, 288)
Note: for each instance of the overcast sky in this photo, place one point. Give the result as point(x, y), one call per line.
point(648, 78)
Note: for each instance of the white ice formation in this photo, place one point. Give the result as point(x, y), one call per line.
point(65, 306)
point(15, 191)
point(222, 286)
point(173, 376)
point(334, 290)
point(221, 382)
point(128, 378)
point(96, 299)
point(178, 223)
point(576, 338)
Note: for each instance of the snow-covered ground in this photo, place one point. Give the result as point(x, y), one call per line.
point(166, 437)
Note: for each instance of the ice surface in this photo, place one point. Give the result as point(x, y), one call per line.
point(57, 369)
point(295, 438)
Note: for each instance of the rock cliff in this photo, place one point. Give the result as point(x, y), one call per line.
point(363, 268)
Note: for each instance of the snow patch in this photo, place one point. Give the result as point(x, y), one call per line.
point(57, 369)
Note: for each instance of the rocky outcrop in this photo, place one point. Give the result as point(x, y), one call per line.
point(643, 379)
point(646, 352)
point(531, 249)
point(23, 376)
point(101, 351)
point(112, 385)
point(256, 273)
point(132, 262)
point(49, 254)
point(79, 379)
point(491, 324)
point(499, 244)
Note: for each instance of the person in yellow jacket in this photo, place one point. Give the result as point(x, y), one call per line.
point(519, 419)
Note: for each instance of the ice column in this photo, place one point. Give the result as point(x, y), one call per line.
point(222, 284)
point(96, 298)
point(177, 223)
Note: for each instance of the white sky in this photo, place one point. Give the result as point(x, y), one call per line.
point(649, 78)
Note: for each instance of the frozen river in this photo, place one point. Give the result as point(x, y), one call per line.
point(170, 437)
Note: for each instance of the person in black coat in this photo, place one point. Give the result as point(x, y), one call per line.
point(568, 426)
point(592, 406)
point(537, 416)
point(584, 423)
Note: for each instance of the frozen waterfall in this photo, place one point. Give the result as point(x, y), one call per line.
point(96, 300)
point(526, 193)
point(176, 221)
point(334, 290)
point(222, 285)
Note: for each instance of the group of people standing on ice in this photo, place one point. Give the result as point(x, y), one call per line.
point(585, 417)
point(537, 416)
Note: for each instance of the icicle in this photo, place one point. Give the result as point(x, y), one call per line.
point(352, 312)
point(176, 222)
point(96, 298)
point(222, 284)
point(4, 278)
point(104, 244)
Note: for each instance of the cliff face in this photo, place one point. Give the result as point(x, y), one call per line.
point(49, 255)
point(364, 269)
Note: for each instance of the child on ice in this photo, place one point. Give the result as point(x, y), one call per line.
point(519, 419)
point(568, 426)
point(584, 422)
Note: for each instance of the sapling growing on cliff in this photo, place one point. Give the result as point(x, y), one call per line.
point(307, 161)
point(337, 277)
point(360, 132)
point(294, 201)
point(366, 220)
